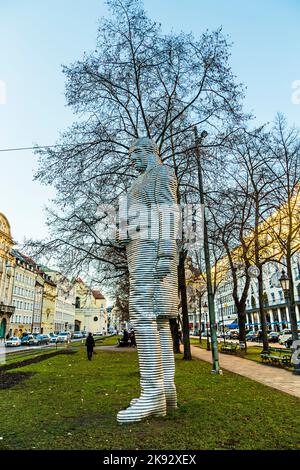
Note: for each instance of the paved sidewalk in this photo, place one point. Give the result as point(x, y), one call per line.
point(274, 377)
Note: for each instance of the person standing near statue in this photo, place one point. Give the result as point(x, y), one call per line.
point(151, 248)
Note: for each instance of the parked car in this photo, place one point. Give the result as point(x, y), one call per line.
point(63, 337)
point(53, 339)
point(251, 336)
point(273, 337)
point(288, 343)
point(284, 336)
point(112, 331)
point(77, 335)
point(25, 340)
point(13, 341)
point(98, 333)
point(38, 340)
point(232, 334)
point(26, 333)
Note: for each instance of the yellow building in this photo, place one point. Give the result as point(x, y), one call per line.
point(7, 264)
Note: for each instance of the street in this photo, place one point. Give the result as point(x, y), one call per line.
point(6, 352)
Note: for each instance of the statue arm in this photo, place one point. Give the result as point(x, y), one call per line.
point(167, 212)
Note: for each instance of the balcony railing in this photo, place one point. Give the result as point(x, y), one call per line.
point(9, 309)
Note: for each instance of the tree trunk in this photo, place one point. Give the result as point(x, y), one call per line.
point(242, 326)
point(262, 313)
point(175, 335)
point(184, 306)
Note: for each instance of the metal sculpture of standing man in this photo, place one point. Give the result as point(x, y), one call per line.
point(152, 261)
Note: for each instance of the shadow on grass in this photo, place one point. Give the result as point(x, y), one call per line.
point(10, 380)
point(34, 360)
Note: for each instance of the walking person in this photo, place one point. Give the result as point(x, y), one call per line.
point(132, 338)
point(90, 343)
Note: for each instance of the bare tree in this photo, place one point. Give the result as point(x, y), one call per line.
point(240, 204)
point(138, 81)
point(284, 226)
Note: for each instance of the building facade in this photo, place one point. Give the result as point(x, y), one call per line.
point(275, 305)
point(114, 320)
point(48, 306)
point(23, 295)
point(64, 316)
point(90, 312)
point(7, 264)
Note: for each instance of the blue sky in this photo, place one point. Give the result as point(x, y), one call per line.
point(36, 37)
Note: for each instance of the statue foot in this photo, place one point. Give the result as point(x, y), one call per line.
point(171, 399)
point(143, 407)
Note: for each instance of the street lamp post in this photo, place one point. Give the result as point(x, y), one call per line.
point(11, 269)
point(205, 308)
point(223, 327)
point(200, 322)
point(285, 285)
point(210, 295)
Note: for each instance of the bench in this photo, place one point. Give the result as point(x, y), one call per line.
point(229, 348)
point(277, 356)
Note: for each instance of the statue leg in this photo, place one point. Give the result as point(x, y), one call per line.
point(168, 363)
point(152, 401)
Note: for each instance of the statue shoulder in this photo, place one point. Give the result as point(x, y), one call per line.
point(165, 171)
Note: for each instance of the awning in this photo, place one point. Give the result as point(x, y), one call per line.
point(235, 325)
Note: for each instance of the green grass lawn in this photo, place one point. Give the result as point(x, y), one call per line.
point(70, 403)
point(108, 340)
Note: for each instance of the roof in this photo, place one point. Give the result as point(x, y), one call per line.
point(5, 226)
point(97, 294)
point(30, 262)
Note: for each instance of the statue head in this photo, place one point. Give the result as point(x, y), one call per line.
point(144, 151)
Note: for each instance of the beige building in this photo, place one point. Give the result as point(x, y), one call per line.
point(23, 295)
point(64, 316)
point(48, 306)
point(90, 313)
point(7, 264)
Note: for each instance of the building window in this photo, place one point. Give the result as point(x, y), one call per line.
point(281, 295)
point(265, 299)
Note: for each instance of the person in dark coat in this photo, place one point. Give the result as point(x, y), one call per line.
point(132, 338)
point(90, 343)
point(125, 336)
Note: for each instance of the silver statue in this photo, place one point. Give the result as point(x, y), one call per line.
point(152, 261)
